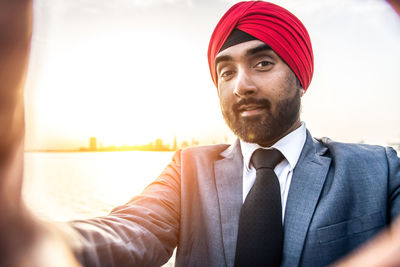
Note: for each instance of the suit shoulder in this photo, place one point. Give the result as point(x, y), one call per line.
point(190, 155)
point(207, 151)
point(350, 150)
point(193, 157)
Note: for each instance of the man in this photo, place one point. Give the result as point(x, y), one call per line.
point(315, 203)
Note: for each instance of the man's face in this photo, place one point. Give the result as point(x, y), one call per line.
point(259, 94)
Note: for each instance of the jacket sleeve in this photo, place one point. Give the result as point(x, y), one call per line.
point(143, 232)
point(394, 182)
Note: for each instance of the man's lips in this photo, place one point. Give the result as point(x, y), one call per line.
point(251, 110)
point(251, 106)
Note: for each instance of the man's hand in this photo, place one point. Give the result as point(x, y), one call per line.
point(24, 241)
point(383, 251)
point(15, 35)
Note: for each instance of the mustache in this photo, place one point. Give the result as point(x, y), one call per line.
point(262, 102)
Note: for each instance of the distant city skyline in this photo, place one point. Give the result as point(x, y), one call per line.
point(95, 145)
point(156, 145)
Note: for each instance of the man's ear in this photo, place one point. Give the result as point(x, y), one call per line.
point(299, 86)
point(302, 91)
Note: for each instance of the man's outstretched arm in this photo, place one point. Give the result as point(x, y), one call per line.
point(143, 232)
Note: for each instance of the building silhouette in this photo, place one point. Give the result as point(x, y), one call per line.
point(92, 143)
point(175, 145)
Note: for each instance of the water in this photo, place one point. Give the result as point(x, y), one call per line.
point(67, 186)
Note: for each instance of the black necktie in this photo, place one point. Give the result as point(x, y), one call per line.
point(260, 236)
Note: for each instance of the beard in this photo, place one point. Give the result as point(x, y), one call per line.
point(267, 127)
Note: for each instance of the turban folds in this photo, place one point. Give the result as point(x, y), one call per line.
point(273, 25)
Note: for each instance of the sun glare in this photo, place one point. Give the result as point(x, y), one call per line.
point(118, 89)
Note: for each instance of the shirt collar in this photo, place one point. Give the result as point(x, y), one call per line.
point(290, 146)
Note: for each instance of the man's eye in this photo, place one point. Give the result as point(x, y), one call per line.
point(227, 73)
point(263, 64)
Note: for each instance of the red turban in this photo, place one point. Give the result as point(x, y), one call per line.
point(273, 25)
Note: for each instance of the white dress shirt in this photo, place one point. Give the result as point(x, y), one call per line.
point(290, 146)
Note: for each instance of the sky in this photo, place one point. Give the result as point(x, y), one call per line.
point(131, 71)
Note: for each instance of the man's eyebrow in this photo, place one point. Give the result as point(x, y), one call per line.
point(260, 48)
point(250, 52)
point(219, 59)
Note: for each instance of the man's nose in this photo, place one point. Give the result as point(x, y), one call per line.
point(244, 86)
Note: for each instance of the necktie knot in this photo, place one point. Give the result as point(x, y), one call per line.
point(263, 158)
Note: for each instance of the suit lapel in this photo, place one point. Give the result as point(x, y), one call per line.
point(229, 180)
point(307, 182)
